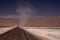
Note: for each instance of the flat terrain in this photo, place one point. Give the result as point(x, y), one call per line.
point(18, 34)
point(45, 34)
point(14, 33)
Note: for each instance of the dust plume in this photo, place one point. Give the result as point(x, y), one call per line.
point(25, 12)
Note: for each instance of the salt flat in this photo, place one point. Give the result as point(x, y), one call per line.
point(44, 33)
point(5, 29)
point(48, 34)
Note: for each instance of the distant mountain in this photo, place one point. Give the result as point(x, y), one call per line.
point(47, 21)
point(9, 16)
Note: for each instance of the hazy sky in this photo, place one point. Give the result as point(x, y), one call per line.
point(40, 7)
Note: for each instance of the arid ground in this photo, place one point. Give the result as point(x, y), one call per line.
point(43, 28)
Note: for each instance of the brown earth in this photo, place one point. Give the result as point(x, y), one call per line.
point(48, 21)
point(18, 34)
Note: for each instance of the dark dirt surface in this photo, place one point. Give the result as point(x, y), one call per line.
point(17, 34)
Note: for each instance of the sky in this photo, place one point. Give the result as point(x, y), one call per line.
point(39, 7)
